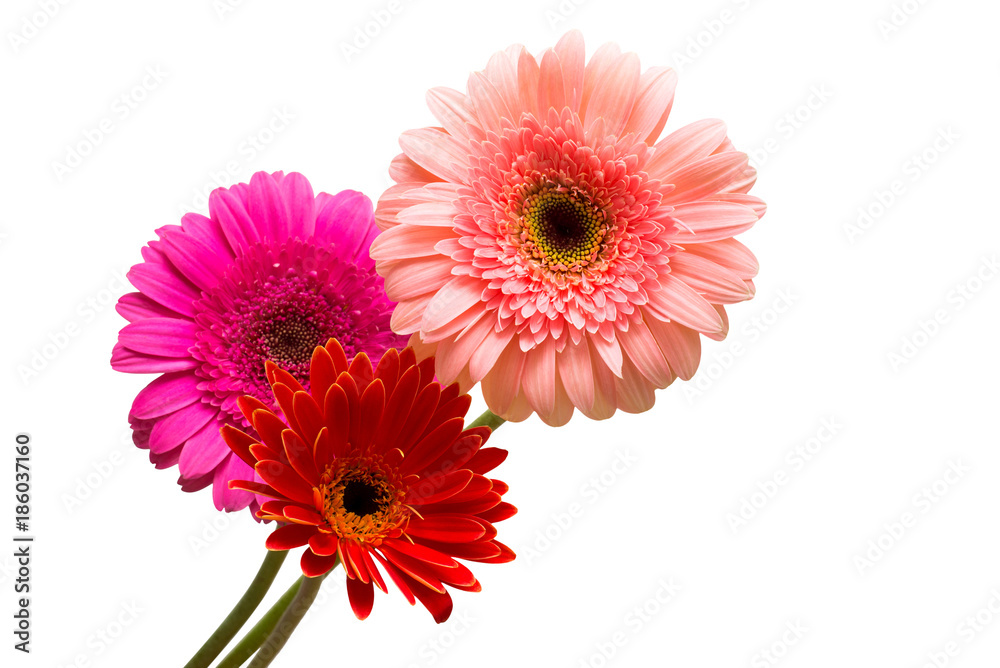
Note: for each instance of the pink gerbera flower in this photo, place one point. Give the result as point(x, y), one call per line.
point(272, 273)
point(544, 243)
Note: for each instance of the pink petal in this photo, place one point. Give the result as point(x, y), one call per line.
point(437, 152)
point(166, 394)
point(711, 221)
point(677, 301)
point(642, 351)
point(203, 452)
point(652, 104)
point(166, 337)
point(704, 177)
point(686, 145)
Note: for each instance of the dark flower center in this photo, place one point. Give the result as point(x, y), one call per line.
point(291, 341)
point(362, 498)
point(561, 229)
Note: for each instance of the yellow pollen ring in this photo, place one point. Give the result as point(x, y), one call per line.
point(560, 230)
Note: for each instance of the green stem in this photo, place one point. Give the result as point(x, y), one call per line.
point(241, 612)
point(488, 419)
point(289, 620)
point(258, 634)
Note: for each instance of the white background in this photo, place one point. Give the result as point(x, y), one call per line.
point(838, 105)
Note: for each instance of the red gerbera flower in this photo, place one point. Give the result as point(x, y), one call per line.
point(374, 468)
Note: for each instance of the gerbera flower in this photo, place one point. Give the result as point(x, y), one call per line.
point(373, 468)
point(272, 273)
point(545, 243)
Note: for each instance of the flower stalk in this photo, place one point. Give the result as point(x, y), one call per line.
point(241, 612)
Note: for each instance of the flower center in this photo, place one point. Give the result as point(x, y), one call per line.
point(561, 230)
point(363, 499)
point(291, 341)
point(278, 302)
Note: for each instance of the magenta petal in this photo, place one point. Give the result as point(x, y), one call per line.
point(231, 500)
point(191, 256)
point(166, 394)
point(179, 426)
point(164, 285)
point(298, 195)
point(137, 306)
point(128, 361)
point(347, 217)
point(231, 212)
point(166, 337)
point(267, 206)
point(203, 452)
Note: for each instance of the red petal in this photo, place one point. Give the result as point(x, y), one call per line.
point(432, 445)
point(477, 551)
point(269, 426)
point(324, 544)
point(284, 479)
point(362, 597)
point(420, 416)
point(302, 515)
point(420, 552)
point(286, 401)
point(446, 528)
point(439, 486)
point(322, 373)
point(472, 507)
point(337, 355)
point(239, 443)
point(300, 456)
point(506, 555)
point(314, 565)
point(250, 404)
point(396, 576)
point(338, 419)
point(289, 537)
point(438, 604)
point(498, 513)
point(397, 410)
point(308, 416)
point(361, 370)
point(388, 370)
point(373, 570)
point(487, 459)
point(372, 405)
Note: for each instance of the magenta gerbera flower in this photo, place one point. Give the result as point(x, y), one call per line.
point(272, 273)
point(546, 242)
